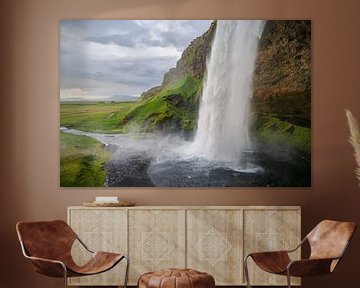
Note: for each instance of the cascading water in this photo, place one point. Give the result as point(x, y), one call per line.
point(223, 126)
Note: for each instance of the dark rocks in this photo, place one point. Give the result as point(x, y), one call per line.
point(284, 60)
point(131, 172)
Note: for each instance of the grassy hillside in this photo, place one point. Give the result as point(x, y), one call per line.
point(82, 161)
point(172, 108)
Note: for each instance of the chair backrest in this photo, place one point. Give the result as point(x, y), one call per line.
point(329, 239)
point(46, 239)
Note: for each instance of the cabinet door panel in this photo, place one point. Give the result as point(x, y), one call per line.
point(270, 230)
point(214, 244)
point(100, 230)
point(156, 239)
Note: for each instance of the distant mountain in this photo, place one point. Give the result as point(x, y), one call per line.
point(115, 98)
point(123, 98)
point(74, 100)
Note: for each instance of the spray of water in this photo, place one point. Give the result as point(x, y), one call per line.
point(223, 126)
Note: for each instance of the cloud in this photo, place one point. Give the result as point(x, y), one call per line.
point(73, 92)
point(121, 57)
point(111, 52)
point(176, 33)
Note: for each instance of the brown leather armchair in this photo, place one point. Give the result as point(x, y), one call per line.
point(48, 245)
point(328, 242)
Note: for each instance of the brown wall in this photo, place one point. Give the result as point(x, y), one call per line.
point(29, 119)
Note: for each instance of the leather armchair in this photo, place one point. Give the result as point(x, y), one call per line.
point(48, 245)
point(328, 243)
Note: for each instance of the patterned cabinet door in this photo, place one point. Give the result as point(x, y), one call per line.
point(101, 230)
point(270, 230)
point(156, 240)
point(214, 244)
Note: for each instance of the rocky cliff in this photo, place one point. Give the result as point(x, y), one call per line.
point(193, 59)
point(192, 62)
point(281, 104)
point(284, 59)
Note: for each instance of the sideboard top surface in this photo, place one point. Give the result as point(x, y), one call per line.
point(193, 207)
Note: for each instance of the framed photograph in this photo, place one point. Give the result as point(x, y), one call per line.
point(185, 103)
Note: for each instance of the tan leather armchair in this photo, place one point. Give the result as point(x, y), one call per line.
point(328, 242)
point(48, 245)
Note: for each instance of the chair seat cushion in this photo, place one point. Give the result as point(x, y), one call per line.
point(176, 278)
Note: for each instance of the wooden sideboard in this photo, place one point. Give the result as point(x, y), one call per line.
point(212, 239)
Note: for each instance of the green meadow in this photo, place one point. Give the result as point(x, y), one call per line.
point(82, 158)
point(82, 161)
point(94, 117)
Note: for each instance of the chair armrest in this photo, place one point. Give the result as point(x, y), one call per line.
point(280, 251)
point(309, 267)
point(48, 267)
point(45, 260)
point(298, 246)
point(84, 245)
point(268, 254)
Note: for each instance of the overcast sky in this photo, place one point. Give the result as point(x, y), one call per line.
point(105, 58)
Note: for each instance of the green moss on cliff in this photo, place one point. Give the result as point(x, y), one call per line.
point(274, 131)
point(294, 107)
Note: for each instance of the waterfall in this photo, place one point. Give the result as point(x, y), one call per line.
point(223, 125)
